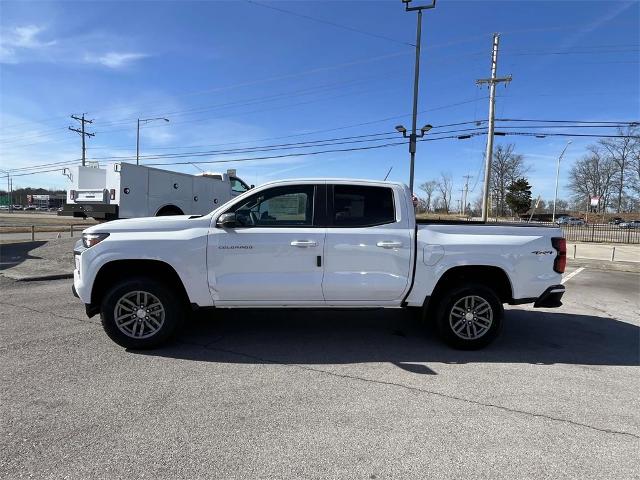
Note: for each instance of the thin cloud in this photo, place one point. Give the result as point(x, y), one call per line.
point(25, 43)
point(19, 39)
point(115, 59)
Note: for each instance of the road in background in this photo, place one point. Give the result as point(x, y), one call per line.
point(299, 394)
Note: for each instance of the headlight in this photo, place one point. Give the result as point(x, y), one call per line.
point(91, 239)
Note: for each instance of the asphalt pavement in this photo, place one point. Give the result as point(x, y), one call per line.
point(331, 395)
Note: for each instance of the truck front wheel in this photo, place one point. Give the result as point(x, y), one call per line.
point(469, 317)
point(140, 313)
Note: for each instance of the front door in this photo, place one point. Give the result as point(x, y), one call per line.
point(368, 246)
point(273, 255)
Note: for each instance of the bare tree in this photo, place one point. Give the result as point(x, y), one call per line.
point(445, 185)
point(633, 171)
point(593, 175)
point(623, 152)
point(506, 168)
point(428, 188)
point(562, 206)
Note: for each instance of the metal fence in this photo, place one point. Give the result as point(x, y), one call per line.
point(597, 233)
point(601, 234)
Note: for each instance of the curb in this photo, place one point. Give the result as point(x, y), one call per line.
point(36, 278)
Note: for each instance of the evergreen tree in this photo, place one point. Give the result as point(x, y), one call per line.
point(519, 195)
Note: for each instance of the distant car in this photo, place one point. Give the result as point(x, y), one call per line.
point(616, 221)
point(4, 207)
point(29, 207)
point(17, 207)
point(570, 221)
point(630, 224)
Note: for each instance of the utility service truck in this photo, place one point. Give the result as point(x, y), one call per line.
point(125, 190)
point(315, 244)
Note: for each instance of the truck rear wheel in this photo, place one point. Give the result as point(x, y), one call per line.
point(469, 317)
point(169, 210)
point(140, 313)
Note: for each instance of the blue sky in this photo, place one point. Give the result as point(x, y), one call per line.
point(237, 72)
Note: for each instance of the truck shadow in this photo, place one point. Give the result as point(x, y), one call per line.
point(12, 254)
point(342, 337)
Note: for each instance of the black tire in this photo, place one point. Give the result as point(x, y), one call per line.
point(484, 327)
point(169, 317)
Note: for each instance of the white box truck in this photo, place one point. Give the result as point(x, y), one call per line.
point(125, 190)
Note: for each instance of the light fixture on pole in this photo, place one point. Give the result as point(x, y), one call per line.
point(555, 198)
point(413, 137)
point(144, 120)
point(403, 131)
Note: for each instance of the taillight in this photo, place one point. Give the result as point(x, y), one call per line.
point(72, 193)
point(112, 194)
point(560, 262)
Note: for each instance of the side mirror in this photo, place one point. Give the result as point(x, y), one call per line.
point(227, 220)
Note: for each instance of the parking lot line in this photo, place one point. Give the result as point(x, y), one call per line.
point(571, 275)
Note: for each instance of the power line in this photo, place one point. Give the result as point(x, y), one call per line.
point(374, 137)
point(361, 124)
point(351, 149)
point(285, 76)
point(625, 122)
point(333, 24)
point(310, 143)
point(551, 134)
point(250, 101)
point(522, 53)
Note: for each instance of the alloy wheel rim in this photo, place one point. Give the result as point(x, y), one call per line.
point(139, 314)
point(471, 317)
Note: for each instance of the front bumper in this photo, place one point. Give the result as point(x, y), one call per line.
point(551, 298)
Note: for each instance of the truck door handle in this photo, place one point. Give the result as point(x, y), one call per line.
point(304, 243)
point(389, 244)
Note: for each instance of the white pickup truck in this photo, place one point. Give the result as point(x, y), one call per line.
point(315, 244)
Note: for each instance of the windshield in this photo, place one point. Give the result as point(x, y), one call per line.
point(238, 186)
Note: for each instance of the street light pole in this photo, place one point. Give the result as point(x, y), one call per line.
point(413, 137)
point(144, 120)
point(555, 198)
point(9, 203)
point(138, 144)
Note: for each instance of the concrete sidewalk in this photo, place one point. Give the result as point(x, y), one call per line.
point(606, 252)
point(41, 260)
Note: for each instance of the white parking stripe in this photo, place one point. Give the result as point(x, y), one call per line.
point(572, 274)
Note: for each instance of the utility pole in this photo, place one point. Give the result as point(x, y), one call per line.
point(413, 137)
point(466, 192)
point(492, 82)
point(83, 134)
point(555, 197)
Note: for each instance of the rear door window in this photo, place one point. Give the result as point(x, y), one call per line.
point(361, 206)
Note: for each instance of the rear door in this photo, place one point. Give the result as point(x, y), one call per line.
point(367, 247)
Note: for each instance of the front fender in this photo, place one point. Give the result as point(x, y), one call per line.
point(187, 256)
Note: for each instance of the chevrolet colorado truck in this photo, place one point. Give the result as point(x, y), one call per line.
point(315, 244)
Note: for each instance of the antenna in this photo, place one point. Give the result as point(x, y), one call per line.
point(387, 175)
